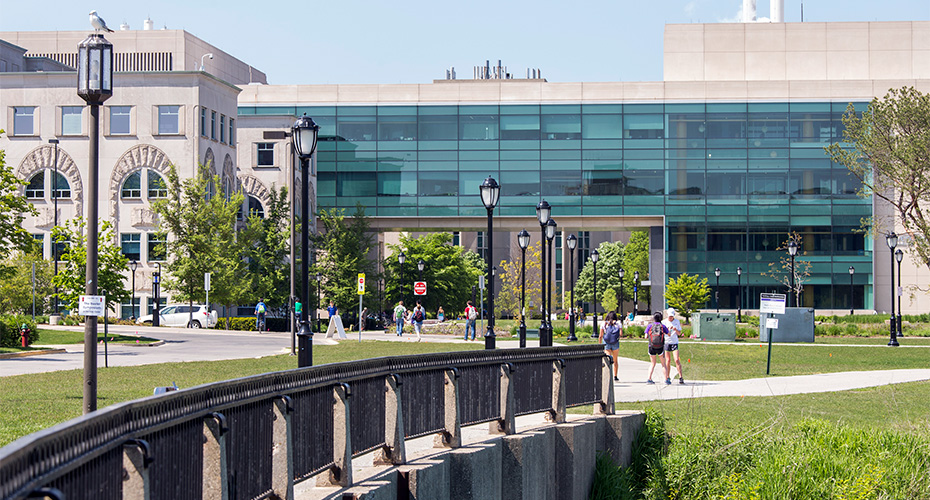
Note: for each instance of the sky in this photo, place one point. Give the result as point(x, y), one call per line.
point(416, 41)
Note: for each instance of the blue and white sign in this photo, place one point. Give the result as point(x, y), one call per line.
point(773, 303)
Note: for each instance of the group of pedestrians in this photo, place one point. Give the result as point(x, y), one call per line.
point(661, 335)
point(414, 317)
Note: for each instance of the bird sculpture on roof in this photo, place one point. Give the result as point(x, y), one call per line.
point(98, 23)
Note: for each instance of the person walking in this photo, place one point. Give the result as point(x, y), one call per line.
point(419, 314)
point(400, 315)
point(655, 335)
point(471, 317)
point(260, 316)
point(441, 315)
point(610, 336)
point(671, 344)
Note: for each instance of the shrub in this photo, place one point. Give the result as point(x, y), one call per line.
point(751, 320)
point(9, 330)
point(634, 331)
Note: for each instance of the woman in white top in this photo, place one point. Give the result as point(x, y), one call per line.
point(671, 345)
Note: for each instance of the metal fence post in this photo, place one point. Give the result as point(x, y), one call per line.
point(557, 412)
point(282, 449)
point(215, 460)
point(136, 460)
point(341, 471)
point(606, 405)
point(394, 452)
point(451, 436)
point(506, 424)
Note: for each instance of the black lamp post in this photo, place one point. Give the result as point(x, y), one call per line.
point(94, 85)
point(420, 266)
point(572, 242)
point(543, 210)
point(55, 218)
point(523, 239)
point(132, 305)
point(852, 271)
point(739, 294)
point(899, 256)
point(400, 261)
point(891, 240)
point(635, 293)
point(717, 289)
point(594, 258)
point(156, 293)
point(304, 137)
point(319, 301)
point(792, 251)
point(550, 235)
point(622, 272)
point(490, 193)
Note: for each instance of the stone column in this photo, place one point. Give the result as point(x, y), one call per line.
point(557, 412)
point(136, 460)
point(506, 424)
point(451, 436)
point(394, 451)
point(282, 449)
point(215, 463)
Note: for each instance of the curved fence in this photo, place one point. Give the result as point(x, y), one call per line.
point(254, 437)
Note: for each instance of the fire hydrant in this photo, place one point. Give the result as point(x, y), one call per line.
point(24, 335)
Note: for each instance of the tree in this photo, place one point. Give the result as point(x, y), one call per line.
point(610, 258)
point(686, 294)
point(508, 299)
point(201, 229)
point(887, 148)
point(13, 206)
point(781, 271)
point(342, 253)
point(448, 275)
point(16, 291)
point(111, 263)
point(266, 247)
point(636, 258)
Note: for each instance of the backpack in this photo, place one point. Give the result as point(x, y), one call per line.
point(656, 336)
point(261, 308)
point(611, 333)
point(472, 313)
point(418, 315)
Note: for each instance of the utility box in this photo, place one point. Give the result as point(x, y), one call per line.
point(713, 326)
point(796, 325)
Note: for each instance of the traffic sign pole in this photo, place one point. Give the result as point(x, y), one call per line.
point(361, 294)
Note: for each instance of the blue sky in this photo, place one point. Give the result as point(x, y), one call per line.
point(415, 41)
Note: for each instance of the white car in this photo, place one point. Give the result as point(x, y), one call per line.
point(180, 315)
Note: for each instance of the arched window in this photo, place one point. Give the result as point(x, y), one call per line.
point(132, 186)
point(36, 187)
point(61, 189)
point(255, 207)
point(157, 186)
point(226, 188)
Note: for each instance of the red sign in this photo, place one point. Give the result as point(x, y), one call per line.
point(419, 288)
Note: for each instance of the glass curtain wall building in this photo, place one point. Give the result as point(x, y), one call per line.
point(731, 180)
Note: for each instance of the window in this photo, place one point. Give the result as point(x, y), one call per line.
point(223, 128)
point(157, 186)
point(60, 247)
point(265, 154)
point(161, 305)
point(131, 244)
point(71, 120)
point(128, 311)
point(24, 120)
point(120, 120)
point(168, 120)
point(232, 132)
point(132, 186)
point(40, 242)
point(256, 208)
point(36, 186)
point(155, 242)
point(203, 122)
point(60, 188)
point(213, 125)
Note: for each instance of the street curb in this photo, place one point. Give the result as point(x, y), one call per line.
point(31, 353)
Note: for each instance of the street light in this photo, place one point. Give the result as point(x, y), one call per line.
point(156, 294)
point(572, 242)
point(400, 260)
point(717, 289)
point(739, 294)
point(792, 251)
point(490, 193)
point(622, 272)
point(304, 136)
point(132, 305)
point(543, 210)
point(899, 256)
point(94, 86)
point(852, 271)
point(635, 293)
point(420, 266)
point(594, 258)
point(550, 235)
point(891, 240)
point(523, 239)
point(55, 218)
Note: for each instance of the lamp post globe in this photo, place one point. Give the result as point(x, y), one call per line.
point(543, 211)
point(572, 242)
point(717, 289)
point(852, 271)
point(523, 240)
point(490, 193)
point(420, 266)
point(304, 135)
point(891, 239)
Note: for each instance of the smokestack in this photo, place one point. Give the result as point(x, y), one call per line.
point(148, 24)
point(749, 11)
point(777, 11)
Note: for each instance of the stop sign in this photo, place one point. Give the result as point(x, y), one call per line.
point(419, 288)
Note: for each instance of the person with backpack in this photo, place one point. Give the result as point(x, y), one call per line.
point(471, 316)
point(419, 314)
point(260, 308)
point(655, 335)
point(671, 344)
point(400, 315)
point(610, 336)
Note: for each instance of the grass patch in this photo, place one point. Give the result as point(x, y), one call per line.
point(56, 337)
point(29, 403)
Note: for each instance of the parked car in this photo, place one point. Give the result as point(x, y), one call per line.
point(180, 314)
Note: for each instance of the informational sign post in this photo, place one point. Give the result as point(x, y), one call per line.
point(91, 305)
point(771, 303)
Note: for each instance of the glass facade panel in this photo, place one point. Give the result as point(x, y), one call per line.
point(120, 123)
point(131, 244)
point(71, 120)
point(24, 120)
point(168, 119)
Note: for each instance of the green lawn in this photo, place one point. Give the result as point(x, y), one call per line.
point(29, 403)
point(56, 337)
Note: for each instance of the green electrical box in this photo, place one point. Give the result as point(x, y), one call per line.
point(713, 326)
